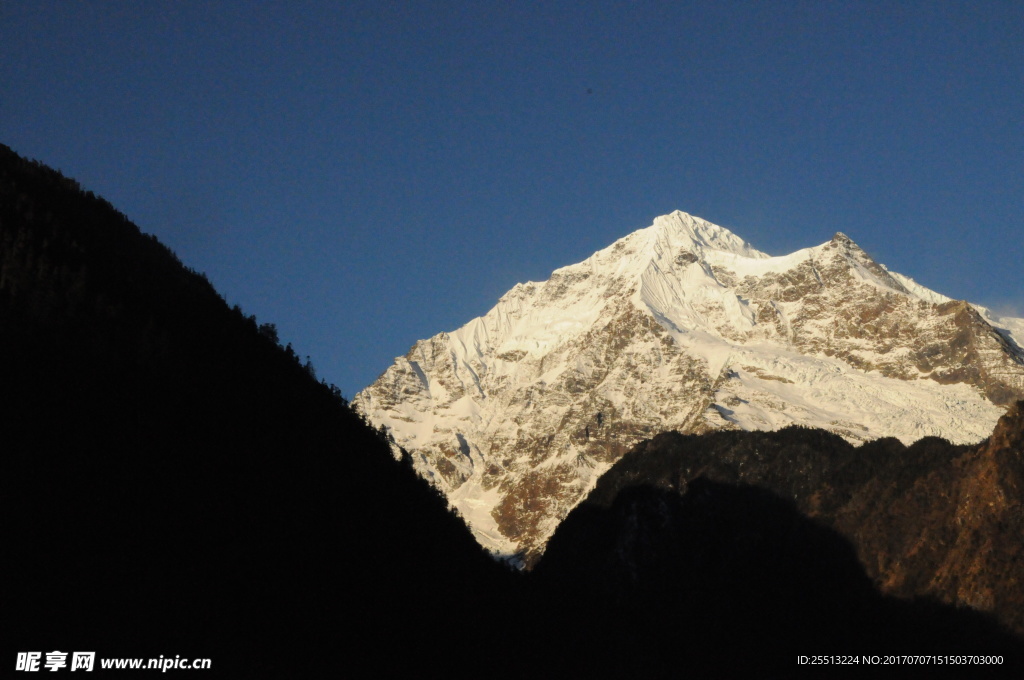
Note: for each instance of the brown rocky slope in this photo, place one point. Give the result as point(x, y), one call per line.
point(931, 519)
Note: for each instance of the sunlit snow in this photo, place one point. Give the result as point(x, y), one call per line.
point(481, 396)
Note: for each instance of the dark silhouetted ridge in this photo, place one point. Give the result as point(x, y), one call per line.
point(175, 482)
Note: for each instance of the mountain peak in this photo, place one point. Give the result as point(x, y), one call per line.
point(679, 227)
point(846, 243)
point(679, 326)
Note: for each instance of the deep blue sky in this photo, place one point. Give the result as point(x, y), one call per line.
point(367, 174)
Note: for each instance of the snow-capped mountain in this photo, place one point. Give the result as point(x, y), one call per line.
point(683, 326)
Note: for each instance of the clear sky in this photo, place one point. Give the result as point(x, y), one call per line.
point(368, 174)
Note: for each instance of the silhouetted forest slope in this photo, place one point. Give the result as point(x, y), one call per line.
point(175, 482)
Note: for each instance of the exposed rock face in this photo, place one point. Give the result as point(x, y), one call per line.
point(957, 532)
point(682, 326)
point(731, 580)
point(933, 519)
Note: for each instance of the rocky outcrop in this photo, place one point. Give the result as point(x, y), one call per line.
point(843, 304)
point(955, 532)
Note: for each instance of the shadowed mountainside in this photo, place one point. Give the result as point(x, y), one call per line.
point(747, 583)
point(929, 519)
